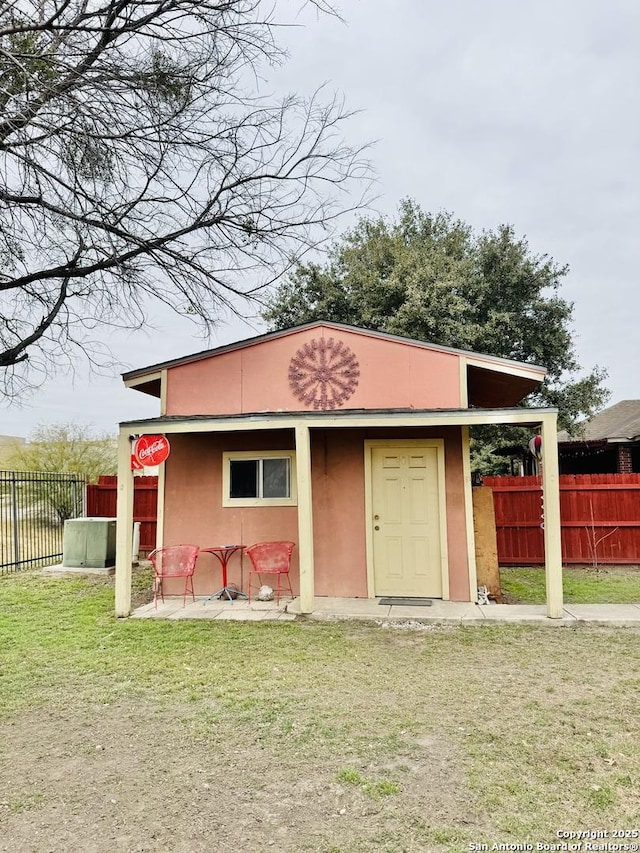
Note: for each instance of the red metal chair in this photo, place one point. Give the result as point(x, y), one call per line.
point(270, 558)
point(174, 561)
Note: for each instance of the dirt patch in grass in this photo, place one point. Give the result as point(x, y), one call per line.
point(326, 737)
point(136, 777)
point(141, 584)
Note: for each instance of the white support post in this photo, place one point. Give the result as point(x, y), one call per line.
point(163, 392)
point(160, 505)
point(468, 511)
point(551, 504)
point(124, 525)
point(305, 518)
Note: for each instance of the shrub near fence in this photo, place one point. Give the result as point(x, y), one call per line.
point(599, 513)
point(102, 498)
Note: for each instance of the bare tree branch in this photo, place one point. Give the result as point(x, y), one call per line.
point(138, 157)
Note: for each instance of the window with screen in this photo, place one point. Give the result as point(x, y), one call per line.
point(253, 479)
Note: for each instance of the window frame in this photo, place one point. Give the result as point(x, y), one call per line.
point(258, 455)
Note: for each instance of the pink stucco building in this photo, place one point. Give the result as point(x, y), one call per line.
point(352, 443)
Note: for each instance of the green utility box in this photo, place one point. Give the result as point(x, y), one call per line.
point(89, 543)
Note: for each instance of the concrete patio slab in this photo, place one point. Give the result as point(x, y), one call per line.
point(268, 605)
point(247, 616)
point(196, 612)
point(368, 609)
point(141, 611)
point(344, 608)
point(203, 608)
point(518, 613)
point(605, 614)
point(439, 611)
point(59, 570)
point(162, 611)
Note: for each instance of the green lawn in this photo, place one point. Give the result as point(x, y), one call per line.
point(139, 735)
point(605, 585)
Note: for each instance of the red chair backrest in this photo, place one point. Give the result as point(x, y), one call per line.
point(270, 556)
point(175, 560)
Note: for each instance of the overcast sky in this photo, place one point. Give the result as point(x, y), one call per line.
point(498, 111)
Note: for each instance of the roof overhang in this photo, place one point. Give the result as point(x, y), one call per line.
point(491, 384)
point(341, 419)
point(148, 383)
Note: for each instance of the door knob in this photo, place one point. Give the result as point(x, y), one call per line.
point(376, 527)
point(376, 517)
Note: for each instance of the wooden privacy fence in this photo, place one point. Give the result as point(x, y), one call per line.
point(600, 518)
point(102, 500)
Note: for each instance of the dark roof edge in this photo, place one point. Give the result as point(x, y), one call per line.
point(582, 442)
point(247, 342)
point(329, 413)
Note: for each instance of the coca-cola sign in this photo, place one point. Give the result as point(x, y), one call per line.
point(151, 450)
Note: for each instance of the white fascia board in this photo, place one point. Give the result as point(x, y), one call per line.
point(142, 380)
point(468, 417)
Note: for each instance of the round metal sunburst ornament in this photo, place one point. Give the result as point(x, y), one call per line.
point(324, 373)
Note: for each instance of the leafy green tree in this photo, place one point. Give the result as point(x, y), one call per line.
point(430, 277)
point(71, 448)
point(62, 448)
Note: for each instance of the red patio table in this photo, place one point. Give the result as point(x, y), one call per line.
point(224, 553)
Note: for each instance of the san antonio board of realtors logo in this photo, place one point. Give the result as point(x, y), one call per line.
point(324, 373)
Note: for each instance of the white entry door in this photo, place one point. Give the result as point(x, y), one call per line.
point(405, 501)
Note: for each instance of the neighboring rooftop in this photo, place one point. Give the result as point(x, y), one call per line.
point(620, 422)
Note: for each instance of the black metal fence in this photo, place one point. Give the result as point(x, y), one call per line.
point(33, 509)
